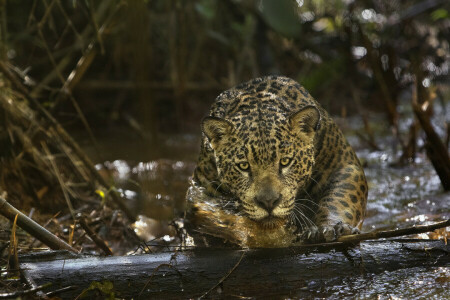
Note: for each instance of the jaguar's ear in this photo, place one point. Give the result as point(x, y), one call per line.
point(307, 120)
point(215, 129)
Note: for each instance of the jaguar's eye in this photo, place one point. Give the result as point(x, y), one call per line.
point(244, 166)
point(285, 161)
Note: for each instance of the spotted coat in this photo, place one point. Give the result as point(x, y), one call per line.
point(268, 145)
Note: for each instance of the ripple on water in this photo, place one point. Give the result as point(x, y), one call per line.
point(410, 283)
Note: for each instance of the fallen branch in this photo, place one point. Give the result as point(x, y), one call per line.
point(354, 238)
point(223, 278)
point(33, 228)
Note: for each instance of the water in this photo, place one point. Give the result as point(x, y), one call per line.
point(400, 197)
point(409, 283)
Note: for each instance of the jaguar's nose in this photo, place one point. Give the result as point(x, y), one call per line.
point(268, 201)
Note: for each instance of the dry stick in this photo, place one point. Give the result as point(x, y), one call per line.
point(354, 238)
point(224, 277)
point(68, 140)
point(99, 242)
point(33, 228)
point(45, 225)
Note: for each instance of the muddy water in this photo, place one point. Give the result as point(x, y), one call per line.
point(154, 180)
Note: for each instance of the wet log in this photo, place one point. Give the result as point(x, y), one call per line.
point(231, 272)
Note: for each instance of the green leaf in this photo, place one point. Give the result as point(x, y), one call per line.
point(438, 14)
point(105, 287)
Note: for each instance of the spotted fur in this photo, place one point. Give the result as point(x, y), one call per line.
point(269, 146)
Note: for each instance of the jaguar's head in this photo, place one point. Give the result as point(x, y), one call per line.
point(264, 160)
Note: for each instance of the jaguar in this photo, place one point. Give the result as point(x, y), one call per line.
point(275, 169)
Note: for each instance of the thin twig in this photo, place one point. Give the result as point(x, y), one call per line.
point(224, 277)
point(153, 274)
point(31, 15)
point(18, 294)
point(61, 290)
point(49, 53)
point(63, 82)
point(99, 242)
point(48, 10)
point(69, 22)
point(97, 31)
point(58, 176)
point(77, 167)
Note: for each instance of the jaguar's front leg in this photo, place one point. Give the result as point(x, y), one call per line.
point(341, 208)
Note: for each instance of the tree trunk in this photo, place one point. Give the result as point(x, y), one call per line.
point(257, 272)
